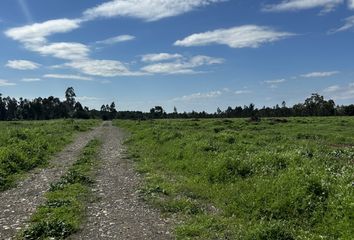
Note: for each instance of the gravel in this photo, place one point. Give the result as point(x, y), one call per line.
point(119, 213)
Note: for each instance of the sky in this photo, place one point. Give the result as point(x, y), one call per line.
point(191, 54)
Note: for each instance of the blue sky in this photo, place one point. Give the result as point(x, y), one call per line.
point(192, 54)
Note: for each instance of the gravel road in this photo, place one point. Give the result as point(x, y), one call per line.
point(119, 213)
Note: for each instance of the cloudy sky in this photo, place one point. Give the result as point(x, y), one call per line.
point(192, 54)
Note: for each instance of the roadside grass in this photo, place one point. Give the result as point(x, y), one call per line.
point(234, 179)
point(64, 210)
point(25, 145)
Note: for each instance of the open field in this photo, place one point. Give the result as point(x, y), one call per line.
point(26, 145)
point(233, 179)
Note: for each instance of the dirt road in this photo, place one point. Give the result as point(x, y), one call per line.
point(118, 213)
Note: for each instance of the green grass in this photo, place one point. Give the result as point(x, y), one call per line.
point(234, 179)
point(64, 210)
point(26, 145)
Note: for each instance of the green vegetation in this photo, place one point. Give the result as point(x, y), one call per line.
point(238, 179)
point(27, 145)
point(64, 210)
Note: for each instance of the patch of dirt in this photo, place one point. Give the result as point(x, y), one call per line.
point(19, 203)
point(119, 213)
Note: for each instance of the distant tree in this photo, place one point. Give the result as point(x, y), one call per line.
point(317, 106)
point(3, 110)
point(157, 112)
point(70, 101)
point(218, 111)
point(349, 110)
point(283, 104)
point(175, 112)
point(229, 112)
point(113, 110)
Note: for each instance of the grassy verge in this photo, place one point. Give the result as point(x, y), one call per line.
point(233, 179)
point(29, 144)
point(64, 209)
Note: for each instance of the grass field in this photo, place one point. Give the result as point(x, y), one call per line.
point(27, 145)
point(234, 179)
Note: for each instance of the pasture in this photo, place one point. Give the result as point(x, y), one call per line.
point(235, 179)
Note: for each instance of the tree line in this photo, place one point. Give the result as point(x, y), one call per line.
point(315, 105)
point(51, 108)
point(54, 108)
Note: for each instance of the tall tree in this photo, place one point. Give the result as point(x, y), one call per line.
point(70, 101)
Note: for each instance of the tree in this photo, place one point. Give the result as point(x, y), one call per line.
point(317, 106)
point(229, 112)
point(113, 110)
point(157, 112)
point(283, 104)
point(2, 108)
point(70, 101)
point(218, 111)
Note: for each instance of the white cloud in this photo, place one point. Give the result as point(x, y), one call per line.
point(63, 50)
point(65, 76)
point(196, 96)
point(4, 83)
point(34, 38)
point(157, 57)
point(31, 80)
point(319, 74)
point(337, 92)
point(102, 68)
point(168, 68)
point(296, 5)
point(86, 98)
point(348, 24)
point(351, 4)
point(117, 39)
point(201, 60)
point(148, 10)
point(37, 33)
point(237, 37)
point(182, 67)
point(240, 92)
point(22, 65)
point(273, 84)
point(330, 89)
point(275, 81)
